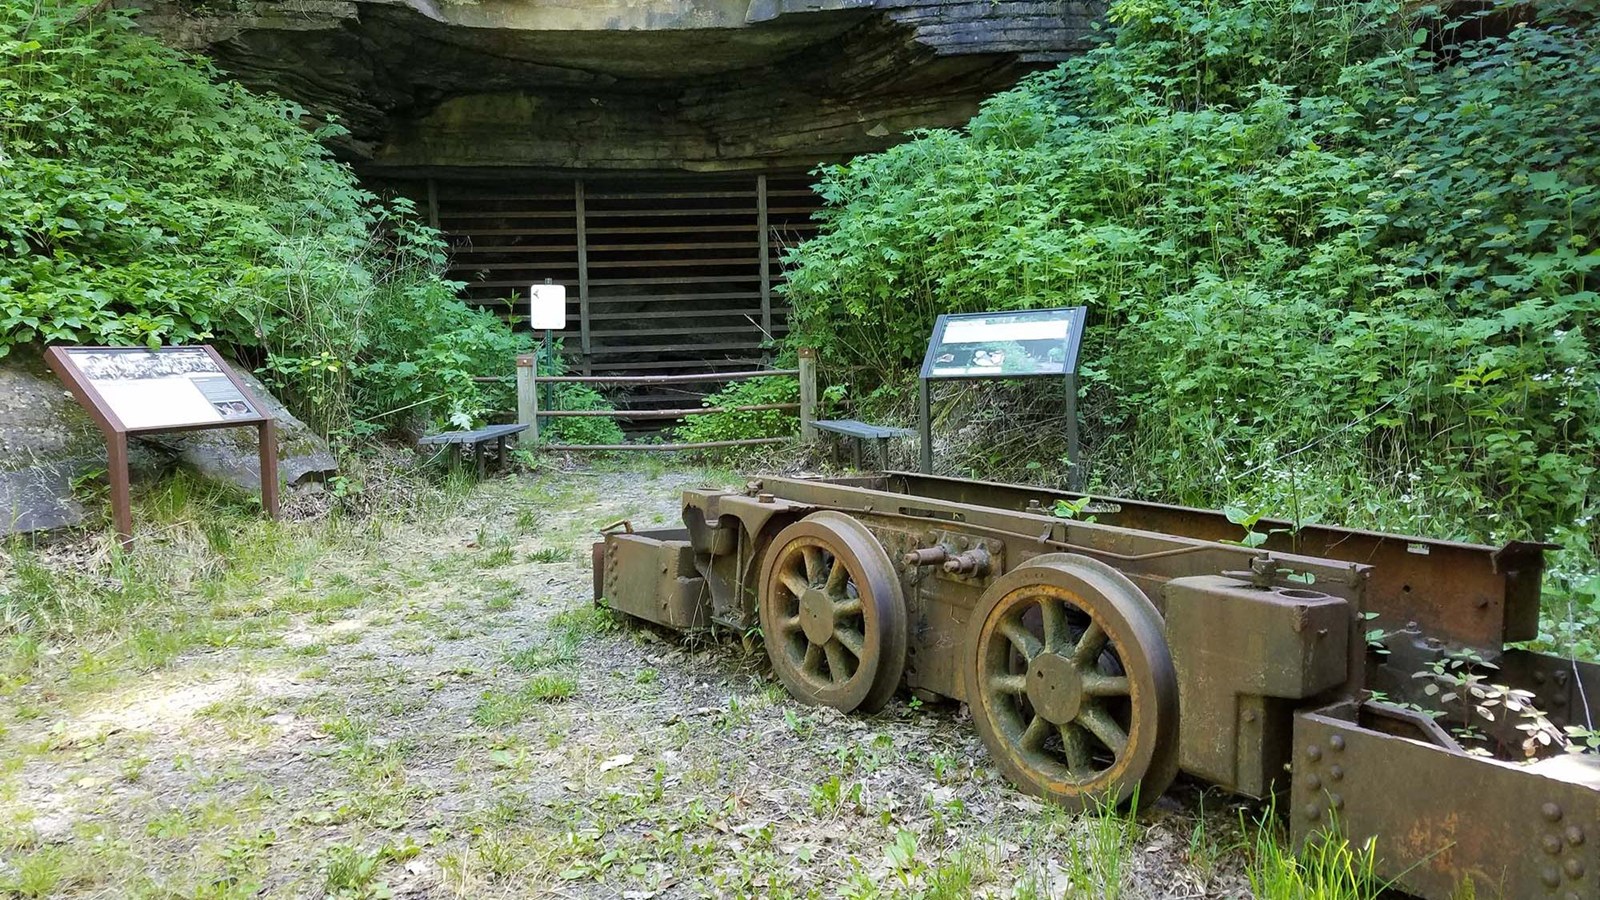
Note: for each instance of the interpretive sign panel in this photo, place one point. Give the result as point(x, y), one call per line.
point(1008, 344)
point(134, 390)
point(160, 390)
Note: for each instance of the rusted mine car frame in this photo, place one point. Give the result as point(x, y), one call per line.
point(1103, 654)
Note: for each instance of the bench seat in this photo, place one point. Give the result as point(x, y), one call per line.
point(476, 439)
point(863, 432)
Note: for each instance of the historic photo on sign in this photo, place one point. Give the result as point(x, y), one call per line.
point(169, 388)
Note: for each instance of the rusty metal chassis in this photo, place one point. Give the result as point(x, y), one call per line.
point(1270, 645)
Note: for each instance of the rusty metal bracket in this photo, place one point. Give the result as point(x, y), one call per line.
point(625, 524)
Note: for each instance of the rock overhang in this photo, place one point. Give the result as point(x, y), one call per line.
point(690, 85)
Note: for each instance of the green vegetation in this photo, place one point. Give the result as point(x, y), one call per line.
point(1338, 258)
point(757, 423)
point(143, 199)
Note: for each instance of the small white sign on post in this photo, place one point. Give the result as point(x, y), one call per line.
point(547, 307)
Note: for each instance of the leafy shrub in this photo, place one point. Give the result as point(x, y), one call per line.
point(749, 424)
point(1331, 272)
point(145, 200)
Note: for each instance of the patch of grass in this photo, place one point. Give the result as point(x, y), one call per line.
point(1099, 854)
point(1329, 869)
point(351, 873)
point(39, 873)
point(548, 555)
point(496, 707)
point(242, 718)
point(541, 656)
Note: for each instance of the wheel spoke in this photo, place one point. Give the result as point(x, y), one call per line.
point(789, 625)
point(844, 609)
point(1034, 736)
point(1076, 745)
point(1105, 729)
point(794, 583)
point(813, 558)
point(1089, 646)
point(853, 640)
point(1055, 624)
point(1008, 684)
point(1021, 638)
point(814, 660)
point(838, 576)
point(838, 666)
point(1097, 685)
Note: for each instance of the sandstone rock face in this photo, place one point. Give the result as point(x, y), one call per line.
point(49, 447)
point(650, 85)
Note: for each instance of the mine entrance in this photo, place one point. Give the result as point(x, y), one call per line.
point(664, 274)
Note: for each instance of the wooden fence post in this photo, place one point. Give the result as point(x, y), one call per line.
point(528, 399)
point(808, 394)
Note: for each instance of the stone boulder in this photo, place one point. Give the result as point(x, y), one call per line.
point(49, 446)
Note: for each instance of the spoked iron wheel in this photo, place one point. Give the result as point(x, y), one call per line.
point(1071, 683)
point(832, 614)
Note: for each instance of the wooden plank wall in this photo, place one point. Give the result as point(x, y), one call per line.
point(666, 274)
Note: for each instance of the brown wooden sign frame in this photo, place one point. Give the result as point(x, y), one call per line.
point(117, 432)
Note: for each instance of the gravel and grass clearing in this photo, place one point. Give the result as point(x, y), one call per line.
point(422, 701)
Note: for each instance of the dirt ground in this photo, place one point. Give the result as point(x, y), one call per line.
point(439, 711)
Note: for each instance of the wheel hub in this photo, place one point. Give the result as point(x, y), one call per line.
point(816, 616)
point(1055, 687)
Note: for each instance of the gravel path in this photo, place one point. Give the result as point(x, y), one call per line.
point(438, 710)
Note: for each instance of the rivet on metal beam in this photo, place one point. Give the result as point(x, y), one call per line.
point(1573, 867)
point(1551, 876)
point(1336, 742)
point(1551, 812)
point(1313, 753)
point(1551, 844)
point(1313, 811)
point(1336, 772)
point(1574, 835)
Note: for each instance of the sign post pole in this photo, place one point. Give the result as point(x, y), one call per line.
point(121, 500)
point(1074, 459)
point(925, 425)
point(267, 435)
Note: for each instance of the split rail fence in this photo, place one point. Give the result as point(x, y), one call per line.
point(529, 413)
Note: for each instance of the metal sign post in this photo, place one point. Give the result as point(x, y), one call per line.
point(134, 391)
point(1025, 344)
point(547, 311)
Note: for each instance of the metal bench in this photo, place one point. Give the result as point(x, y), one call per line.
point(476, 439)
point(863, 432)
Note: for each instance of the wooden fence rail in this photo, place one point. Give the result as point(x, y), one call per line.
point(528, 413)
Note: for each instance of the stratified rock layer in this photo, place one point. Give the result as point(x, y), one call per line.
point(698, 85)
